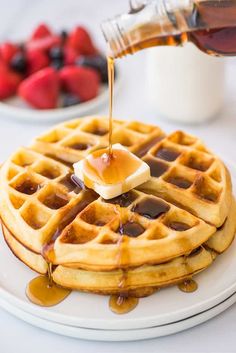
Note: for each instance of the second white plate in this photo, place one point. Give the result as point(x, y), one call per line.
point(119, 335)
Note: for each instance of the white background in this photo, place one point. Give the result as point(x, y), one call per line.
point(17, 18)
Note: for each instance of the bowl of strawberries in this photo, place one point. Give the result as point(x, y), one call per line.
point(52, 76)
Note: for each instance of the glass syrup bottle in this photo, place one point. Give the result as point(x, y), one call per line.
point(209, 24)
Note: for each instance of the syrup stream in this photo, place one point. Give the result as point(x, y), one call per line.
point(111, 77)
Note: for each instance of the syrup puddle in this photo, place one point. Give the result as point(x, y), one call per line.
point(188, 286)
point(121, 304)
point(43, 291)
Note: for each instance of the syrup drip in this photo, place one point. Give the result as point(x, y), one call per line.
point(122, 303)
point(110, 166)
point(188, 286)
point(111, 77)
point(44, 292)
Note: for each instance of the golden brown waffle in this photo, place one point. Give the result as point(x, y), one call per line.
point(222, 239)
point(183, 169)
point(38, 198)
point(73, 140)
point(218, 242)
point(36, 206)
point(154, 231)
point(76, 229)
point(139, 281)
point(186, 173)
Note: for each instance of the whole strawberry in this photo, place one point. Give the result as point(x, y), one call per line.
point(81, 42)
point(41, 31)
point(7, 51)
point(82, 82)
point(9, 81)
point(41, 90)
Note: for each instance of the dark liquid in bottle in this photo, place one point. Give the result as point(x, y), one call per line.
point(211, 26)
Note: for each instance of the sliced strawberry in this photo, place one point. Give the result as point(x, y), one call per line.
point(7, 51)
point(81, 41)
point(45, 43)
point(41, 89)
point(41, 31)
point(36, 60)
point(80, 81)
point(9, 81)
point(70, 55)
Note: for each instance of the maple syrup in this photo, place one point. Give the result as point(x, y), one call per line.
point(151, 208)
point(111, 169)
point(80, 146)
point(68, 182)
point(144, 148)
point(167, 154)
point(55, 201)
point(178, 226)
point(44, 292)
point(157, 168)
point(131, 229)
point(111, 78)
point(28, 187)
point(188, 286)
point(181, 182)
point(109, 166)
point(47, 251)
point(124, 200)
point(122, 304)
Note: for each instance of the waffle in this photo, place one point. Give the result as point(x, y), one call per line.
point(186, 173)
point(164, 221)
point(149, 227)
point(38, 207)
point(71, 141)
point(140, 281)
point(183, 169)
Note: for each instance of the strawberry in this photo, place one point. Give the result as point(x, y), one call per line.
point(70, 55)
point(45, 43)
point(9, 81)
point(41, 89)
point(82, 82)
point(41, 31)
point(81, 42)
point(7, 51)
point(36, 60)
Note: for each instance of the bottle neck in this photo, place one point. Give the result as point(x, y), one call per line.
point(145, 21)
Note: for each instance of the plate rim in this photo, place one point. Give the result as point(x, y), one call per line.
point(119, 335)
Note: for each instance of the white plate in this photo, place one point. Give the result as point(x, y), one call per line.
point(119, 335)
point(15, 108)
point(91, 311)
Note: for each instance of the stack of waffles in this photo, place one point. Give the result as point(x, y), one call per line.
point(159, 234)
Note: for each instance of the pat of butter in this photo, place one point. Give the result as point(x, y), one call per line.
point(126, 171)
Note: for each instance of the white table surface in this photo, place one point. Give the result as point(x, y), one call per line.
point(17, 17)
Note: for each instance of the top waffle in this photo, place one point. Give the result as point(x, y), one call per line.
point(47, 213)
